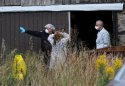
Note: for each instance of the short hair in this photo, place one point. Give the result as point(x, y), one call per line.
point(50, 26)
point(100, 22)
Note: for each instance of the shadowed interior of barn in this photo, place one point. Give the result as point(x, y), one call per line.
point(85, 23)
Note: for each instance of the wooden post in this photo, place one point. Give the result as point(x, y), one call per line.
point(115, 28)
point(69, 22)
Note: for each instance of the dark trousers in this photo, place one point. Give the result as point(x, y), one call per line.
point(46, 58)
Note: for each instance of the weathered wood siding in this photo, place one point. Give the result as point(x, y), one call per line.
point(121, 26)
point(51, 2)
point(10, 23)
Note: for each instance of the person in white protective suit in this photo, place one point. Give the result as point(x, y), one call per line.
point(59, 41)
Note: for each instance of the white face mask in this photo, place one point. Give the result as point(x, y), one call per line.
point(46, 31)
point(96, 27)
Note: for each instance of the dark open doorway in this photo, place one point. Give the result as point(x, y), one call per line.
point(85, 23)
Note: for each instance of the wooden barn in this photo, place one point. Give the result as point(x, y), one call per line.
point(72, 15)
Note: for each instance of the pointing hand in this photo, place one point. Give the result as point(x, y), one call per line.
point(22, 30)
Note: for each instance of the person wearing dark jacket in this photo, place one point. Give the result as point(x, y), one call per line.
point(45, 44)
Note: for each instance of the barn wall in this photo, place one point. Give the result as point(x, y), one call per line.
point(10, 22)
point(121, 26)
point(51, 2)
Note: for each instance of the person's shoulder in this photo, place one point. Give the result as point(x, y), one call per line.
point(65, 34)
point(51, 35)
point(105, 31)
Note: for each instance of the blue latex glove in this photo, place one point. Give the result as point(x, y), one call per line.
point(22, 30)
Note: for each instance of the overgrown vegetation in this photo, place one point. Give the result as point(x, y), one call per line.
point(80, 70)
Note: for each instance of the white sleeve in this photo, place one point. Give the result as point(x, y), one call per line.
point(50, 39)
point(65, 39)
point(66, 36)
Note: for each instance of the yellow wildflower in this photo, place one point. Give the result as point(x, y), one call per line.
point(19, 67)
point(101, 62)
point(117, 63)
point(102, 56)
point(97, 63)
point(110, 72)
point(20, 76)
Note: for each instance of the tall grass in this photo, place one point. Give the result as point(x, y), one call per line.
point(78, 71)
